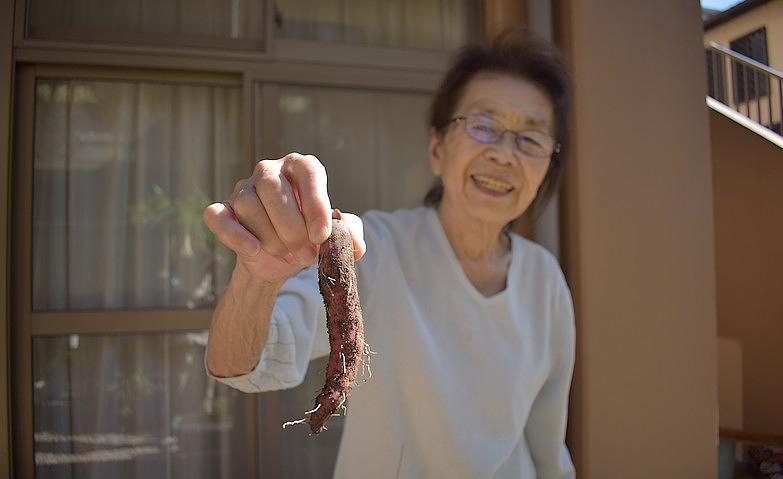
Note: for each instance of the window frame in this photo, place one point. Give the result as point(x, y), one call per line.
point(273, 48)
point(282, 62)
point(749, 88)
point(27, 324)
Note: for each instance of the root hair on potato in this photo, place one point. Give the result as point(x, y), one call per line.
point(313, 410)
point(294, 423)
point(348, 350)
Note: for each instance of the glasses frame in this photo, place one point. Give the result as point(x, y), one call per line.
point(501, 132)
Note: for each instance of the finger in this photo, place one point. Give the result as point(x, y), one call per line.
point(308, 178)
point(279, 202)
point(251, 214)
point(356, 227)
point(221, 221)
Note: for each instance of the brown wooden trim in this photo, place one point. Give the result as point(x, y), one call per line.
point(114, 322)
point(270, 128)
point(745, 436)
point(19, 20)
point(269, 26)
point(275, 71)
point(134, 74)
point(63, 35)
point(52, 53)
point(21, 212)
point(233, 60)
point(6, 89)
point(248, 120)
point(350, 77)
point(201, 55)
point(499, 14)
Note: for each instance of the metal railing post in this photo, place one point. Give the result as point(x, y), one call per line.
point(737, 72)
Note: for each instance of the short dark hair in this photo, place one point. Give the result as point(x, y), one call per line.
point(517, 53)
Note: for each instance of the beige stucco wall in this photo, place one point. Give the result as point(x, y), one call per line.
point(638, 241)
point(748, 174)
point(769, 15)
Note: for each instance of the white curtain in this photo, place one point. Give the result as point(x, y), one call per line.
point(421, 24)
point(374, 147)
point(122, 171)
point(166, 20)
point(373, 144)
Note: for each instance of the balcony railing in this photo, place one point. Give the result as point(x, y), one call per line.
point(746, 86)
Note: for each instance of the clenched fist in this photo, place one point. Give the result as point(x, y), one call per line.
point(276, 219)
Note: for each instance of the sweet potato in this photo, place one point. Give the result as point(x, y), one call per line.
point(348, 351)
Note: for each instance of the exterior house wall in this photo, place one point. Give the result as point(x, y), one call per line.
point(748, 172)
point(638, 241)
point(769, 15)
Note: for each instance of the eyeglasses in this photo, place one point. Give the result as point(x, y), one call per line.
point(486, 130)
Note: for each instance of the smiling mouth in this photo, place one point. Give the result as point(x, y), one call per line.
point(492, 184)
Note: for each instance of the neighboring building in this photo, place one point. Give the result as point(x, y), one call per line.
point(753, 28)
point(707, 13)
point(744, 52)
point(744, 58)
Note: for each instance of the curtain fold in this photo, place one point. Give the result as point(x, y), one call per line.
point(418, 24)
point(162, 22)
point(122, 172)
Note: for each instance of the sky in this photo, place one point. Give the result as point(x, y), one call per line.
point(719, 4)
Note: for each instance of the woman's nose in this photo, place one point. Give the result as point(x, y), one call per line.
point(505, 149)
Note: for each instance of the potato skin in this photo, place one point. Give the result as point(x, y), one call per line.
point(344, 323)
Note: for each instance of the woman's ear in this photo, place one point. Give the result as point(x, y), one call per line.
point(435, 151)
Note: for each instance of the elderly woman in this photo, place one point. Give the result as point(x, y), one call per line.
point(472, 323)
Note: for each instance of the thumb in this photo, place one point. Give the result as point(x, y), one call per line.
point(356, 228)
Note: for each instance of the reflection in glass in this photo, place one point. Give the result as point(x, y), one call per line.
point(373, 143)
point(374, 147)
point(122, 173)
point(134, 406)
point(237, 24)
point(421, 24)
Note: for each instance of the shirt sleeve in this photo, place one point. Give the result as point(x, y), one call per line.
point(546, 425)
point(297, 334)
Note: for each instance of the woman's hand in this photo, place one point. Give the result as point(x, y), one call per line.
point(276, 219)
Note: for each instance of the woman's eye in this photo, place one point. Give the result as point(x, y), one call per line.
point(484, 128)
point(529, 140)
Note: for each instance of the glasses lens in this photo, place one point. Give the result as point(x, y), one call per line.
point(535, 143)
point(482, 129)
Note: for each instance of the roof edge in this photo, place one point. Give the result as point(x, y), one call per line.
point(733, 12)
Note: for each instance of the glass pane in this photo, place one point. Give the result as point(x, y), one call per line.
point(135, 406)
point(122, 173)
point(374, 147)
point(293, 453)
point(423, 24)
point(373, 144)
point(236, 24)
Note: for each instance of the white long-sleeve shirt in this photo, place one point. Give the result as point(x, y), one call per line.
point(463, 386)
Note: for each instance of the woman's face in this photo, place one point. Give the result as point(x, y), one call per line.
point(493, 182)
